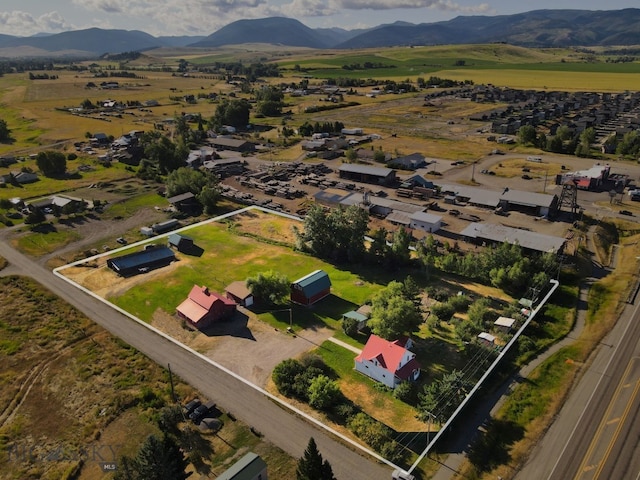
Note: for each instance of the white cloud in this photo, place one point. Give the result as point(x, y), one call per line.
point(180, 17)
point(24, 24)
point(445, 5)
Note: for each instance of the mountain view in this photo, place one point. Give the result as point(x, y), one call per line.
point(539, 28)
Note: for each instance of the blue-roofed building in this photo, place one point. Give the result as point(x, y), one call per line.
point(140, 262)
point(249, 467)
point(311, 288)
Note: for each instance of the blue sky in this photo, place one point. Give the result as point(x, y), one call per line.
point(203, 17)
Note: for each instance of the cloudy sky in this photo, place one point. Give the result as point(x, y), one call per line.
point(203, 17)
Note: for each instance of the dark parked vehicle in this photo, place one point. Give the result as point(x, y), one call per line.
point(201, 412)
point(454, 212)
point(526, 177)
point(626, 212)
point(191, 406)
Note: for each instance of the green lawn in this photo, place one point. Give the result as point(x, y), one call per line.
point(228, 257)
point(37, 244)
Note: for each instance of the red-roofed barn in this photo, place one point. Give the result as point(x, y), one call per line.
point(388, 362)
point(203, 307)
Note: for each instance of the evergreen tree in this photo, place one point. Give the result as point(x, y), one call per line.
point(312, 466)
point(157, 459)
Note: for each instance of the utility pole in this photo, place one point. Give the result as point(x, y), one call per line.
point(173, 392)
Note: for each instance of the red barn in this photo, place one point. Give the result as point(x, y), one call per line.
point(311, 288)
point(203, 307)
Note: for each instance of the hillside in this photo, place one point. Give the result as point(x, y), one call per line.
point(539, 28)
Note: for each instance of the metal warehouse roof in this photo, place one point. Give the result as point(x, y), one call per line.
point(492, 198)
point(520, 197)
point(524, 238)
point(313, 283)
point(142, 258)
point(425, 217)
point(365, 169)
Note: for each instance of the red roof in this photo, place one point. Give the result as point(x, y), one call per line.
point(584, 182)
point(200, 302)
point(389, 355)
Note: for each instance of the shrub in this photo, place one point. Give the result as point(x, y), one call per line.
point(405, 392)
point(350, 326)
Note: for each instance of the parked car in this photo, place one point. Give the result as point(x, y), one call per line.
point(121, 240)
point(201, 412)
point(526, 177)
point(626, 212)
point(191, 406)
point(454, 212)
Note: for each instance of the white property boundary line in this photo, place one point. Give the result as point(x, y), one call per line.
point(160, 333)
point(466, 400)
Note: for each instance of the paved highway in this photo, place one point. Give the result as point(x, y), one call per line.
point(596, 434)
point(279, 426)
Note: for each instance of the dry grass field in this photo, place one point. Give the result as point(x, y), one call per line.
point(68, 386)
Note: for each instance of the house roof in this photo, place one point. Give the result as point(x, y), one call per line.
point(238, 289)
point(176, 239)
point(358, 317)
point(504, 322)
point(247, 468)
point(200, 302)
point(181, 198)
point(388, 354)
point(313, 283)
point(487, 337)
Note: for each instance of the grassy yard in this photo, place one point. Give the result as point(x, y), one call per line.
point(228, 257)
point(37, 244)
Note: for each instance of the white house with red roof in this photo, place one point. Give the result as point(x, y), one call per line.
point(203, 307)
point(388, 362)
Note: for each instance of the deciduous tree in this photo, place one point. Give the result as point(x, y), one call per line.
point(269, 286)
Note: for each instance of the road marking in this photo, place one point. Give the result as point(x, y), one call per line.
point(603, 423)
point(617, 432)
point(593, 393)
point(611, 422)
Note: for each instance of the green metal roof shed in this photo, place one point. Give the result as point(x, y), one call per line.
point(249, 467)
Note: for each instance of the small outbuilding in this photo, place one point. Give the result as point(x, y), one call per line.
point(249, 467)
point(427, 222)
point(487, 339)
point(311, 288)
point(182, 243)
point(504, 323)
point(239, 293)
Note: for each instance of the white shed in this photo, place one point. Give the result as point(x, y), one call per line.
point(504, 323)
point(425, 221)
